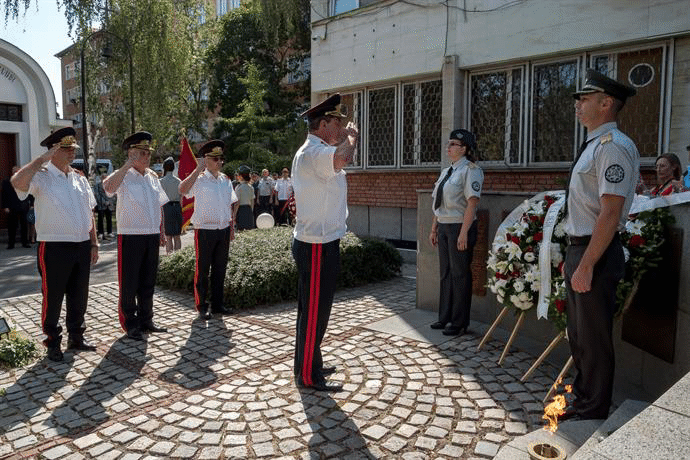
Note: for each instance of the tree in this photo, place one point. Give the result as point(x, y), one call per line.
point(249, 64)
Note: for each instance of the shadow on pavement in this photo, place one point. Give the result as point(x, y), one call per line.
point(335, 435)
point(30, 393)
point(207, 343)
point(116, 372)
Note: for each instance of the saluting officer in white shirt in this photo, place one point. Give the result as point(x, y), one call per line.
point(213, 220)
point(67, 238)
point(600, 195)
point(139, 200)
point(320, 190)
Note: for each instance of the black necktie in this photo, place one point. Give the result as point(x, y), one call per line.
point(439, 190)
point(582, 148)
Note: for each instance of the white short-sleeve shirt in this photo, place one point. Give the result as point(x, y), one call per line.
point(63, 205)
point(139, 201)
point(465, 182)
point(283, 188)
point(320, 193)
point(213, 199)
point(610, 165)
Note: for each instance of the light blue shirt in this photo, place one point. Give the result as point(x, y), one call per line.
point(687, 178)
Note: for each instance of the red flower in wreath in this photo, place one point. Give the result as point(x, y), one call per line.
point(538, 236)
point(560, 305)
point(636, 241)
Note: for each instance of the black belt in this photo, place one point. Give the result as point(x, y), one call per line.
point(579, 240)
point(584, 240)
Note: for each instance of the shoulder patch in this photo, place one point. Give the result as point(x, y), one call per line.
point(472, 165)
point(476, 186)
point(614, 173)
point(606, 138)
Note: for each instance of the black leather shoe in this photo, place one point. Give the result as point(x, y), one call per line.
point(55, 354)
point(322, 386)
point(204, 313)
point(450, 330)
point(438, 325)
point(151, 327)
point(222, 310)
point(328, 370)
point(79, 345)
point(135, 334)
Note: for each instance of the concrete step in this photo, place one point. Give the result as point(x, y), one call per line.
point(577, 438)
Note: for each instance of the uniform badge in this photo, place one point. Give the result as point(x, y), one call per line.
point(606, 138)
point(614, 174)
point(476, 186)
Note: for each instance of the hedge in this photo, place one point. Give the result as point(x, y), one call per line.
point(261, 269)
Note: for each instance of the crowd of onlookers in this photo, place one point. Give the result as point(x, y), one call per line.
point(266, 193)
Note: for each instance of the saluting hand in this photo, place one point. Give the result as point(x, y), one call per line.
point(200, 163)
point(46, 157)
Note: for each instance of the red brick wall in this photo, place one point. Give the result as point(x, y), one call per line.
point(398, 189)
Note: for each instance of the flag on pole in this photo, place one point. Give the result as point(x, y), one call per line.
point(187, 165)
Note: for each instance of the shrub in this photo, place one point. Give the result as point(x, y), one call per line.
point(16, 350)
point(261, 269)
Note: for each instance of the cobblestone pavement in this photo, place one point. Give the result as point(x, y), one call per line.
point(224, 388)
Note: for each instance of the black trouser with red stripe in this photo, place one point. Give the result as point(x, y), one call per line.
point(211, 248)
point(65, 268)
point(137, 266)
point(318, 266)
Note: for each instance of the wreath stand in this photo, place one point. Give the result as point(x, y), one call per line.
point(556, 340)
point(498, 319)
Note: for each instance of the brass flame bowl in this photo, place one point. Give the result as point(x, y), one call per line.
point(545, 451)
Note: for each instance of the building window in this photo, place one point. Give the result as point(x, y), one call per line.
point(10, 112)
point(524, 115)
point(381, 127)
point(421, 118)
point(300, 70)
point(222, 7)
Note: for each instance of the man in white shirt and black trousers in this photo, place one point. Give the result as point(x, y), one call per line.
point(67, 238)
point(320, 189)
point(214, 203)
point(139, 200)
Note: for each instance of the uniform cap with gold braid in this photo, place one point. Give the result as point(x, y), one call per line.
point(213, 148)
point(329, 107)
point(64, 137)
point(596, 82)
point(138, 140)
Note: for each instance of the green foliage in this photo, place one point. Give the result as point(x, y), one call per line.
point(261, 269)
point(16, 350)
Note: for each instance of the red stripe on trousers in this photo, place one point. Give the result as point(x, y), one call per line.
point(197, 297)
point(314, 288)
point(44, 283)
point(120, 313)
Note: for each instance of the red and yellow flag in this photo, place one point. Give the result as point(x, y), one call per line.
point(187, 165)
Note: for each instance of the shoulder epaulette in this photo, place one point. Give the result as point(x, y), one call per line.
point(606, 138)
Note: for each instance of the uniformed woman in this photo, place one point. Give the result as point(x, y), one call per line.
point(454, 229)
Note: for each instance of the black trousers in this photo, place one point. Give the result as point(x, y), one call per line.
point(455, 298)
point(108, 215)
point(64, 268)
point(283, 213)
point(17, 219)
point(590, 328)
point(265, 204)
point(137, 266)
point(211, 248)
point(318, 266)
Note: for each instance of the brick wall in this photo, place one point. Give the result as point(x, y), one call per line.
point(398, 189)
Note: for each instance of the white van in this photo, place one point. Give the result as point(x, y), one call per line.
point(103, 165)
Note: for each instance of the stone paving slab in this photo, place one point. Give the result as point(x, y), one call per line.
point(224, 388)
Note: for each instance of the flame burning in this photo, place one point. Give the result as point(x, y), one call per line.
point(556, 408)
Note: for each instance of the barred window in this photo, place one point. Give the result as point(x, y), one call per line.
point(497, 120)
point(353, 102)
point(421, 117)
point(381, 127)
point(553, 117)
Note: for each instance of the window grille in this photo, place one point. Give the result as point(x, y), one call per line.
point(553, 113)
point(381, 127)
point(353, 102)
point(421, 123)
point(10, 112)
point(496, 118)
